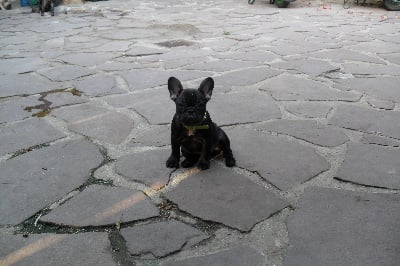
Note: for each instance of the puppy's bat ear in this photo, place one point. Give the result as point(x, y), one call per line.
point(206, 87)
point(175, 88)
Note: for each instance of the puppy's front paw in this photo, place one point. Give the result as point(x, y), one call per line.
point(172, 162)
point(204, 165)
point(230, 161)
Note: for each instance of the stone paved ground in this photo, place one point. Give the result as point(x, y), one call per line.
point(309, 96)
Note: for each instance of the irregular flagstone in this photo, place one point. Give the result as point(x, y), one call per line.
point(393, 58)
point(101, 205)
point(384, 88)
point(66, 72)
point(160, 239)
point(25, 134)
point(371, 165)
point(144, 51)
point(342, 54)
point(367, 120)
point(308, 109)
point(145, 167)
point(256, 56)
point(86, 59)
point(97, 122)
point(283, 163)
point(148, 78)
point(338, 227)
point(156, 135)
point(60, 249)
point(381, 104)
point(21, 65)
point(112, 46)
point(110, 127)
point(239, 256)
point(221, 195)
point(64, 98)
point(310, 67)
point(223, 108)
point(368, 69)
point(82, 111)
point(13, 84)
point(308, 130)
point(221, 65)
point(155, 105)
point(373, 139)
point(98, 85)
point(285, 48)
point(290, 88)
point(177, 55)
point(13, 109)
point(38, 178)
point(376, 47)
point(245, 77)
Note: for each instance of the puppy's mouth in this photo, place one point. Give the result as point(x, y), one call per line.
point(192, 119)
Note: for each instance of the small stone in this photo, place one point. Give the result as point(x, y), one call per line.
point(160, 239)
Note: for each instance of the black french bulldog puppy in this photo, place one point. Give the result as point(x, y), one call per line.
point(192, 130)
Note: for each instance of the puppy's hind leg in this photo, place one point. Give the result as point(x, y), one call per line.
point(225, 145)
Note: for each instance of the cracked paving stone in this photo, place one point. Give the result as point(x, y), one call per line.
point(368, 69)
point(308, 109)
point(371, 165)
point(59, 249)
point(156, 135)
point(221, 65)
point(310, 67)
point(224, 196)
point(96, 122)
point(155, 105)
point(64, 98)
point(21, 65)
point(339, 227)
point(139, 79)
point(101, 205)
point(13, 110)
point(283, 163)
point(86, 59)
point(25, 134)
point(380, 104)
point(145, 167)
point(341, 55)
point(66, 72)
point(255, 56)
point(367, 120)
point(98, 85)
point(13, 84)
point(308, 130)
point(245, 77)
point(238, 256)
point(384, 88)
point(373, 139)
point(160, 239)
point(33, 180)
point(290, 88)
point(259, 107)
